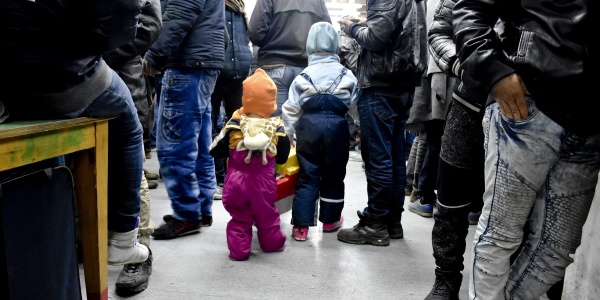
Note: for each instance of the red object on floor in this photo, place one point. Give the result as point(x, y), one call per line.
point(286, 186)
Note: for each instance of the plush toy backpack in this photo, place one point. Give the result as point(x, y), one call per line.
point(258, 136)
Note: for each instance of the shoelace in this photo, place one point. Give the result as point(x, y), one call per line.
point(132, 268)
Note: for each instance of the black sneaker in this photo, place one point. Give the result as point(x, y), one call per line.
point(134, 277)
point(375, 234)
point(173, 228)
point(206, 221)
point(395, 230)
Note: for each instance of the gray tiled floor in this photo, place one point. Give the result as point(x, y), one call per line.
point(197, 266)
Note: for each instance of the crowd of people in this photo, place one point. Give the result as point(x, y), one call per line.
point(494, 91)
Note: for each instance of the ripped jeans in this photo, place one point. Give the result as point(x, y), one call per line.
point(530, 164)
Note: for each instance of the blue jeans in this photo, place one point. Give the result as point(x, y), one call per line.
point(183, 139)
point(157, 90)
point(383, 113)
point(282, 77)
point(125, 155)
point(531, 163)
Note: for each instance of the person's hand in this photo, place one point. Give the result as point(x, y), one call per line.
point(345, 26)
point(510, 93)
point(149, 70)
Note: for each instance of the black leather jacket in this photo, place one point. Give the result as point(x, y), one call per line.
point(547, 43)
point(468, 92)
point(393, 42)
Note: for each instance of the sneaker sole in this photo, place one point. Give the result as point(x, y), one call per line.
point(422, 214)
point(128, 291)
point(397, 236)
point(374, 242)
point(217, 197)
point(332, 230)
point(299, 239)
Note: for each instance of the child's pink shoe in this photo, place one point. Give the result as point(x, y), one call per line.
point(300, 233)
point(330, 227)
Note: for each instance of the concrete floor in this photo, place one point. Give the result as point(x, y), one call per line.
point(198, 267)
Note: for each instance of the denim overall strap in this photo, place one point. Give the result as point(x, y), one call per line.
point(324, 102)
point(331, 88)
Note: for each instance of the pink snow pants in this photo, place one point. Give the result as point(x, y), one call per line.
point(249, 195)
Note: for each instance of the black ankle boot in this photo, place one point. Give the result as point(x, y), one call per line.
point(446, 286)
point(367, 231)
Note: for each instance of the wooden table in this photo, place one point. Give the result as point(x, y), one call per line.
point(26, 142)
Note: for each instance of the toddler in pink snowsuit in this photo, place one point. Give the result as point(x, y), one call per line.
point(254, 143)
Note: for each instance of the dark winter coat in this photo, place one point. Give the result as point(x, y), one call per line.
point(53, 51)
point(238, 55)
point(192, 36)
point(280, 27)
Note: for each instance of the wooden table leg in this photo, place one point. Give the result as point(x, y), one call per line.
point(91, 185)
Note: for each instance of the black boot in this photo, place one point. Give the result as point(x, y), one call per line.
point(446, 286)
point(134, 277)
point(448, 238)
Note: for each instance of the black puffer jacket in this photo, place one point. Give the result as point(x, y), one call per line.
point(393, 42)
point(468, 92)
point(547, 43)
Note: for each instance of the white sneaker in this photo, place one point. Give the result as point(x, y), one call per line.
point(218, 193)
point(354, 156)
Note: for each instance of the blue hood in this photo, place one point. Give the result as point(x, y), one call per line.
point(322, 37)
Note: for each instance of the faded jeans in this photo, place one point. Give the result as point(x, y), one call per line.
point(282, 77)
point(530, 162)
point(184, 134)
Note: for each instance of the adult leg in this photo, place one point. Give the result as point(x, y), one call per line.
point(216, 100)
point(428, 178)
point(557, 219)
point(124, 171)
point(134, 277)
point(519, 156)
point(157, 89)
point(185, 126)
point(383, 114)
point(461, 161)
